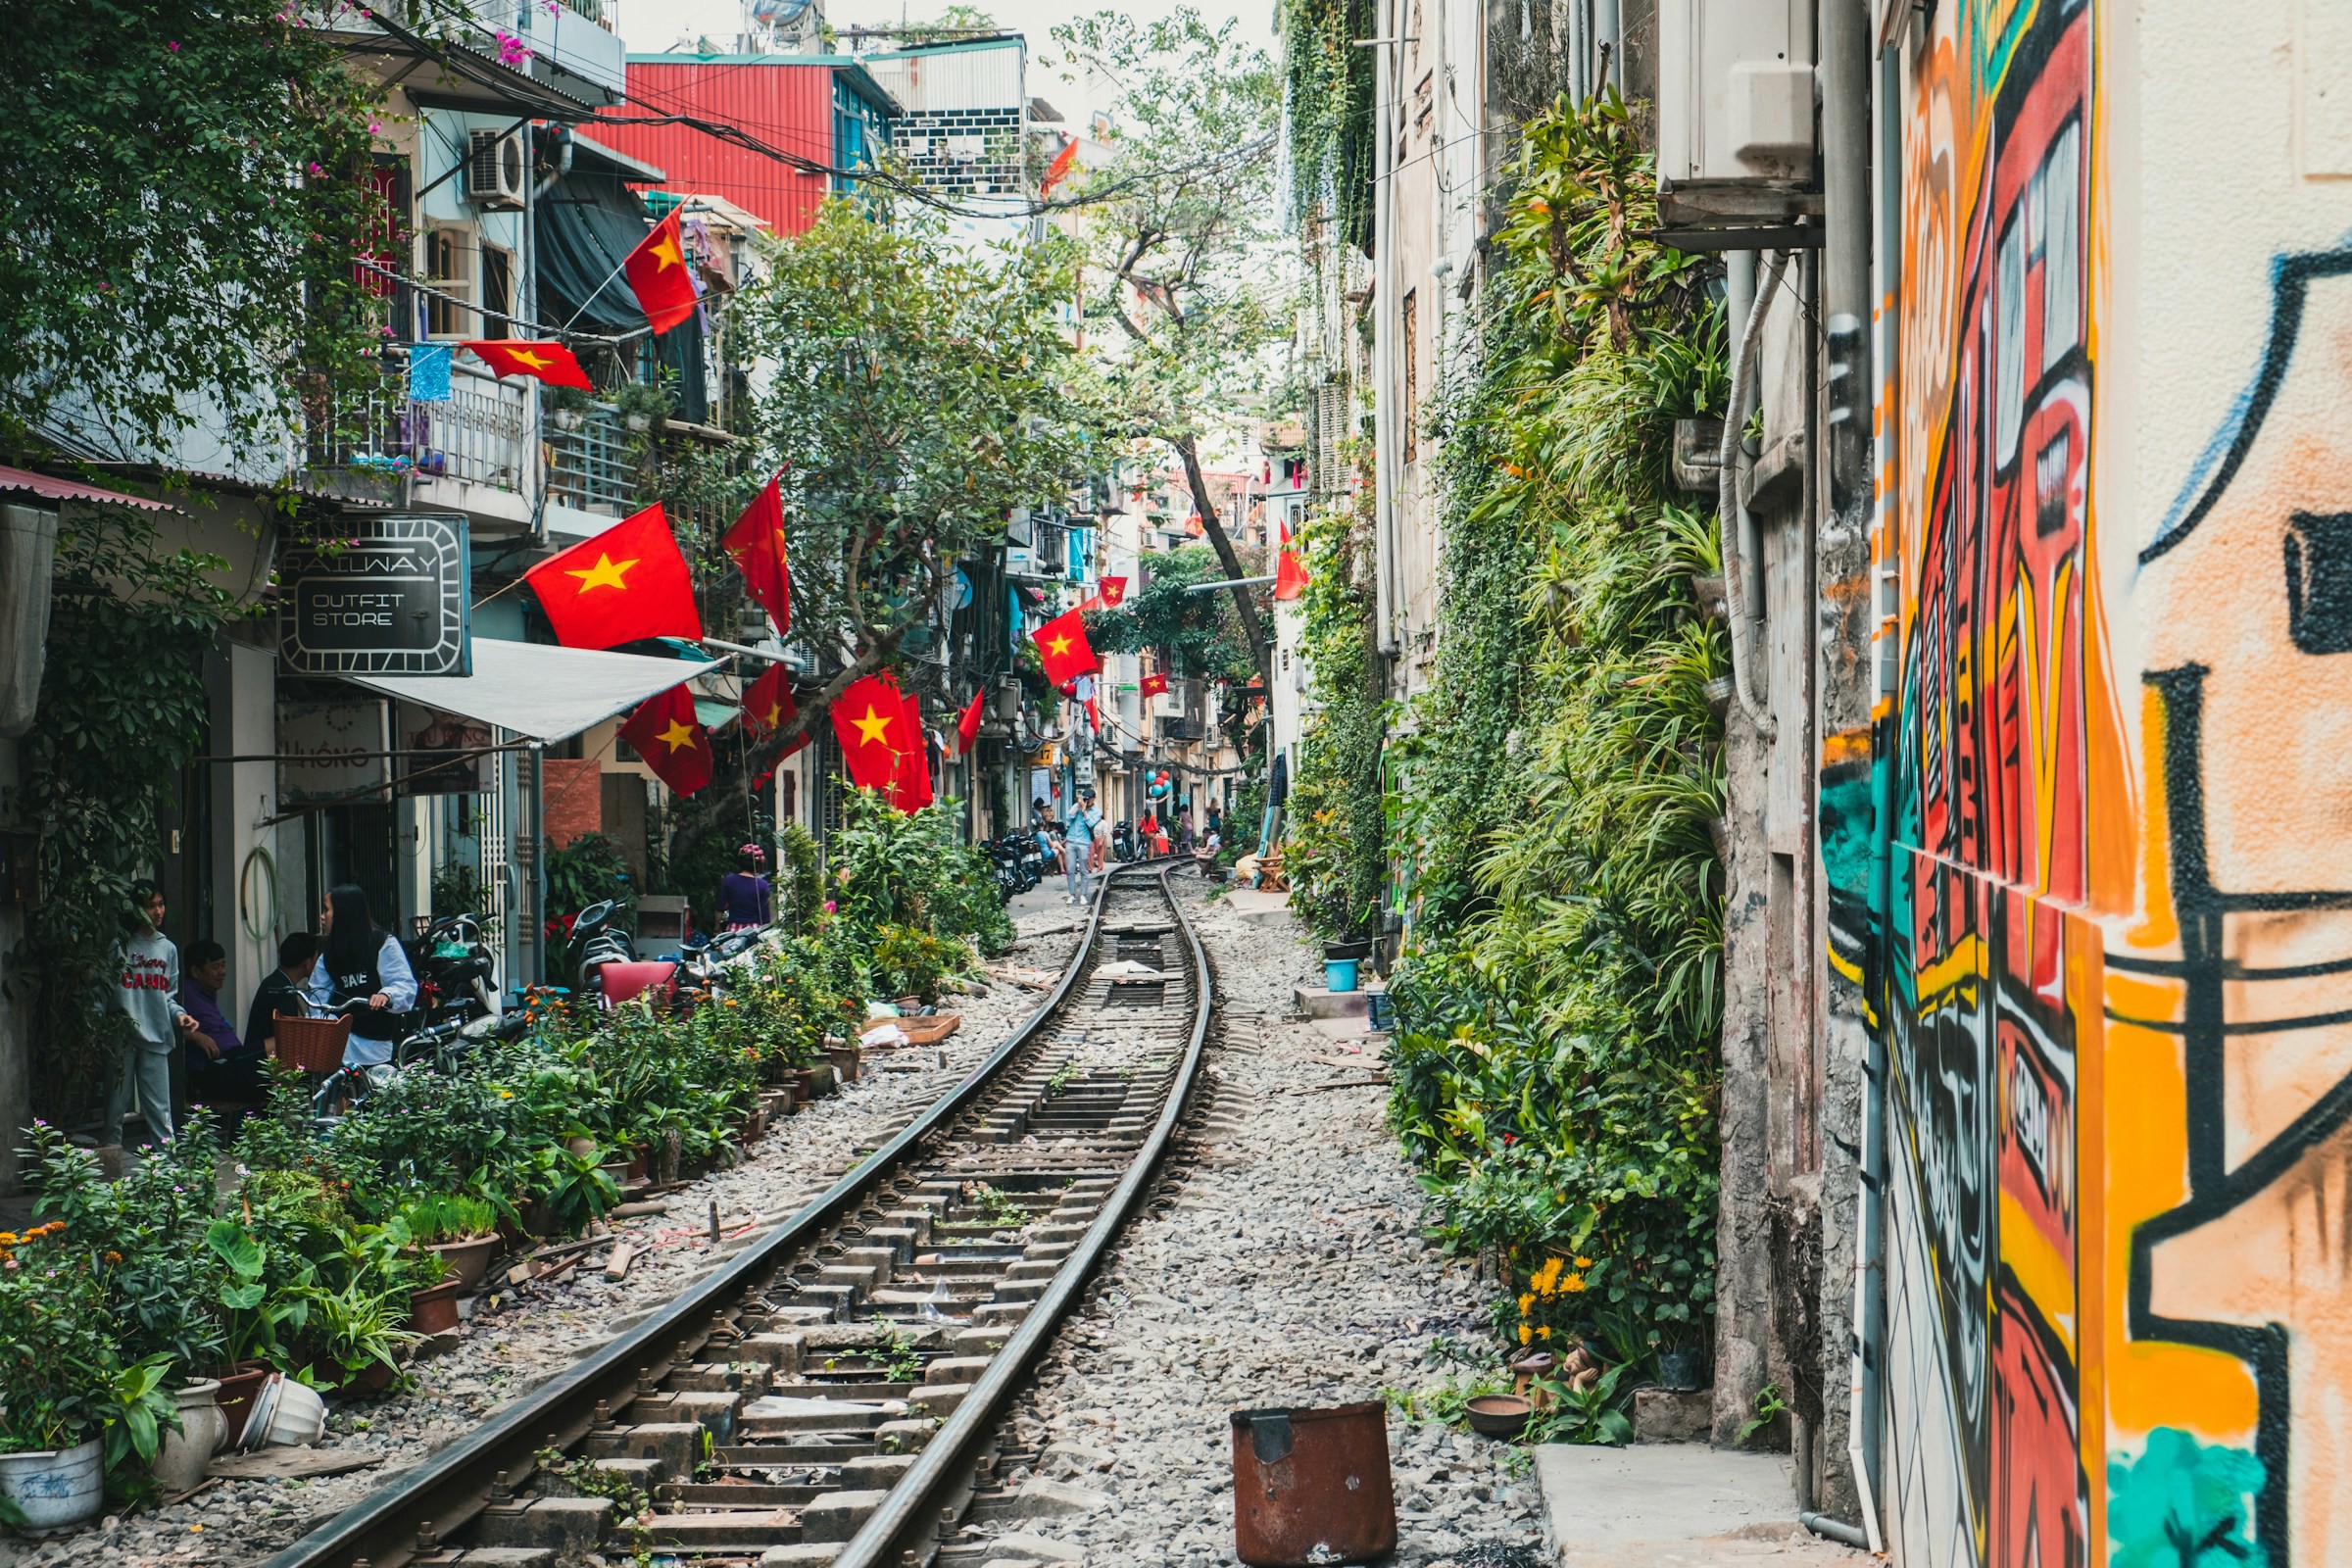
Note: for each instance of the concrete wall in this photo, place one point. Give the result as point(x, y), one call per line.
point(2121, 893)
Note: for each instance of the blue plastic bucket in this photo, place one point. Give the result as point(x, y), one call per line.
point(1338, 974)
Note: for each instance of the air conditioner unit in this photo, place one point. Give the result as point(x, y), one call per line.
point(1736, 111)
point(496, 170)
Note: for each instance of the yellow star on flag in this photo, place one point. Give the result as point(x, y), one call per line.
point(605, 573)
point(679, 736)
point(528, 359)
point(873, 727)
point(666, 251)
point(1060, 644)
point(775, 710)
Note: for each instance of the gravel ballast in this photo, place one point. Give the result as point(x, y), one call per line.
point(1281, 1265)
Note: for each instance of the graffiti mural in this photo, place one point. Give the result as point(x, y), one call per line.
point(2251, 1261)
point(2118, 999)
point(1996, 981)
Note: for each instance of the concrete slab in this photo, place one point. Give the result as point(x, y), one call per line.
point(1260, 908)
point(1674, 1506)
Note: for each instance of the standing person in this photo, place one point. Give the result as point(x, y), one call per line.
point(146, 981)
point(223, 1070)
point(745, 897)
point(1216, 823)
point(359, 961)
point(1080, 832)
point(281, 991)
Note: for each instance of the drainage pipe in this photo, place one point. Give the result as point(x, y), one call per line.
point(1726, 497)
point(1821, 1523)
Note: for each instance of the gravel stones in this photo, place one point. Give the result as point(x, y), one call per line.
point(1278, 1264)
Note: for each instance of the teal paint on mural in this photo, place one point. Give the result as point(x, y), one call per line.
point(1845, 813)
point(2183, 1504)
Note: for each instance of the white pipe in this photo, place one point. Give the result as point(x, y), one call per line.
point(1726, 497)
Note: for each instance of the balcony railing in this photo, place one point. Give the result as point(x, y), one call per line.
point(480, 435)
point(588, 462)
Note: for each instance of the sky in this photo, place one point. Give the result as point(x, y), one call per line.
point(652, 25)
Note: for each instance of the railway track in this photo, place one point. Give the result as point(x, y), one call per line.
point(830, 1396)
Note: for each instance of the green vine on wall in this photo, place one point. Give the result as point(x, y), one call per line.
point(1560, 1003)
point(1335, 854)
point(122, 708)
point(1328, 87)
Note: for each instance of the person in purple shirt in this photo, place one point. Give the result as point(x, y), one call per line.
point(223, 1071)
point(745, 897)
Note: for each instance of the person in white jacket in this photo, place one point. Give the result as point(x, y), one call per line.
point(359, 961)
point(145, 989)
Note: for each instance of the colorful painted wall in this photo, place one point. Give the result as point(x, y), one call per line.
point(2118, 1006)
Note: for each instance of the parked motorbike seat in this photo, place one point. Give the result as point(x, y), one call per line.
point(621, 981)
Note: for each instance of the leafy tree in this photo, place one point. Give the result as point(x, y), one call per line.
point(917, 392)
point(1199, 630)
point(1178, 255)
point(183, 200)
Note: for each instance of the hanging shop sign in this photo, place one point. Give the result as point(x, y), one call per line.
point(445, 755)
point(329, 751)
point(390, 598)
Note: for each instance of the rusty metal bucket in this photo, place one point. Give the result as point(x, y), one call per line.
point(1312, 1486)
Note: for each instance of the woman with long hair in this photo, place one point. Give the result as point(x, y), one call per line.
point(359, 961)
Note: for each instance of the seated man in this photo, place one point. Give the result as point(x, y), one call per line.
point(281, 991)
point(223, 1070)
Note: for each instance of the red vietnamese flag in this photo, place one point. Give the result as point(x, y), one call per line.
point(1155, 684)
point(1059, 167)
point(659, 273)
point(1094, 717)
point(1062, 643)
point(911, 791)
point(879, 746)
point(1110, 592)
point(768, 706)
point(1289, 575)
point(967, 723)
point(666, 733)
point(625, 583)
point(548, 362)
point(756, 543)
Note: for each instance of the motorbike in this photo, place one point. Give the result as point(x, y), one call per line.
point(453, 968)
point(1122, 841)
point(704, 961)
point(597, 939)
point(1010, 865)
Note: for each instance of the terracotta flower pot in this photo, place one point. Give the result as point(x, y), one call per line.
point(434, 1309)
point(468, 1261)
point(238, 1385)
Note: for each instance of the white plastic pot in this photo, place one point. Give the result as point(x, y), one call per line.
point(286, 1412)
point(56, 1488)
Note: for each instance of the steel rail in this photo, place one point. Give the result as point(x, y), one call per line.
point(911, 1509)
point(448, 1489)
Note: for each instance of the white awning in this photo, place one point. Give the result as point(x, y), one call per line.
point(538, 690)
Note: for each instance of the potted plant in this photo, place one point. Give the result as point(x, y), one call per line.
point(353, 1334)
point(566, 406)
point(641, 405)
point(69, 1405)
point(461, 1230)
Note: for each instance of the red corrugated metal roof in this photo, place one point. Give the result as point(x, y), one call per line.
point(41, 484)
point(779, 102)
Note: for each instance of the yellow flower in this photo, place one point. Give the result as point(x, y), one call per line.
point(1573, 1284)
point(1544, 1333)
point(9, 1238)
point(1527, 1304)
point(1526, 1335)
point(506, 1094)
point(1584, 1262)
point(1547, 1277)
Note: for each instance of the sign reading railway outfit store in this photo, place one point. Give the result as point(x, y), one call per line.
point(390, 598)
